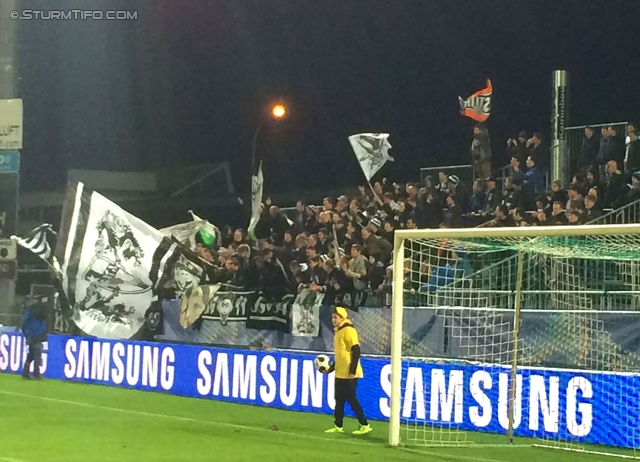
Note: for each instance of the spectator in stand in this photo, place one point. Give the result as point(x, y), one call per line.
point(457, 189)
point(431, 216)
point(590, 181)
point(443, 186)
point(575, 202)
point(544, 205)
point(239, 238)
point(357, 268)
point(352, 236)
point(389, 205)
point(428, 187)
point(300, 218)
point(327, 204)
point(317, 274)
point(557, 216)
point(226, 236)
point(493, 198)
point(478, 198)
point(574, 217)
point(411, 224)
point(375, 246)
point(611, 148)
point(630, 195)
point(632, 158)
point(388, 230)
point(453, 214)
point(287, 243)
point(519, 217)
point(456, 266)
point(613, 184)
point(515, 169)
point(557, 193)
point(513, 196)
point(481, 151)
point(578, 179)
point(300, 275)
point(274, 280)
point(539, 218)
point(402, 214)
point(533, 181)
point(323, 242)
point(591, 212)
point(538, 152)
point(299, 253)
point(374, 225)
point(518, 147)
point(588, 151)
point(311, 224)
point(502, 217)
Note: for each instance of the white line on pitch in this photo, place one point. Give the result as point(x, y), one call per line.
point(245, 427)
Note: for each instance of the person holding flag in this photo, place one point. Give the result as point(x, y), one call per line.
point(348, 371)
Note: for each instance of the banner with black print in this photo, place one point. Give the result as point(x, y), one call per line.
point(305, 315)
point(269, 313)
point(229, 305)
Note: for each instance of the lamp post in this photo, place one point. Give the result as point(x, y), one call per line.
point(277, 112)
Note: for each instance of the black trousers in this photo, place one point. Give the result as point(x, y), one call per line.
point(35, 356)
point(345, 390)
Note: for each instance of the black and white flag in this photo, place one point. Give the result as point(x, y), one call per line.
point(113, 264)
point(185, 233)
point(41, 241)
point(371, 150)
point(305, 316)
point(257, 184)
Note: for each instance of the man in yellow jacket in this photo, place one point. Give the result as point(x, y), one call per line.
point(348, 370)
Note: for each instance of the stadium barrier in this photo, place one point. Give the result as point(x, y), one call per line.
point(464, 172)
point(555, 404)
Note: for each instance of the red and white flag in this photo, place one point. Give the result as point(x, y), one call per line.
point(478, 105)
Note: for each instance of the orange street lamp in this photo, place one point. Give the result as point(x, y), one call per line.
point(279, 111)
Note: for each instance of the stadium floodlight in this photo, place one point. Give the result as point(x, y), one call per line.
point(523, 323)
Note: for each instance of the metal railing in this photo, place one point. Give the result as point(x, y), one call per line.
point(629, 213)
point(575, 136)
point(464, 172)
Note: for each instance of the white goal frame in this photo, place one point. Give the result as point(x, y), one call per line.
point(461, 233)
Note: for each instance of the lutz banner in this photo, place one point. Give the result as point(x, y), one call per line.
point(578, 406)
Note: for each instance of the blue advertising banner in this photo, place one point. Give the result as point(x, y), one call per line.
point(588, 407)
point(9, 161)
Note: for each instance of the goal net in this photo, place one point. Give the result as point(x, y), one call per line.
point(526, 332)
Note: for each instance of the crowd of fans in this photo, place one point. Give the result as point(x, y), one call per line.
point(345, 245)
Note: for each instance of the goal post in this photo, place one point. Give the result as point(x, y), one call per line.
point(529, 326)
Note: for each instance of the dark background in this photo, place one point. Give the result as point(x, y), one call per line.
point(187, 82)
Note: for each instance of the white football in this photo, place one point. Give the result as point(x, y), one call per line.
point(322, 363)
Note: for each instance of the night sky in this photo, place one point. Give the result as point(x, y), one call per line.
point(187, 83)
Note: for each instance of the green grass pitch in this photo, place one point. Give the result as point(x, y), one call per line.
point(51, 421)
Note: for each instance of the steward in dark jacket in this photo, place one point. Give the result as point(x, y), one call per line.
point(34, 329)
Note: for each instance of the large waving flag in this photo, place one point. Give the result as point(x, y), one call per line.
point(114, 264)
point(371, 150)
point(478, 105)
point(41, 241)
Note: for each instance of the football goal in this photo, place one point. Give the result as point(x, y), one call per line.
point(521, 332)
